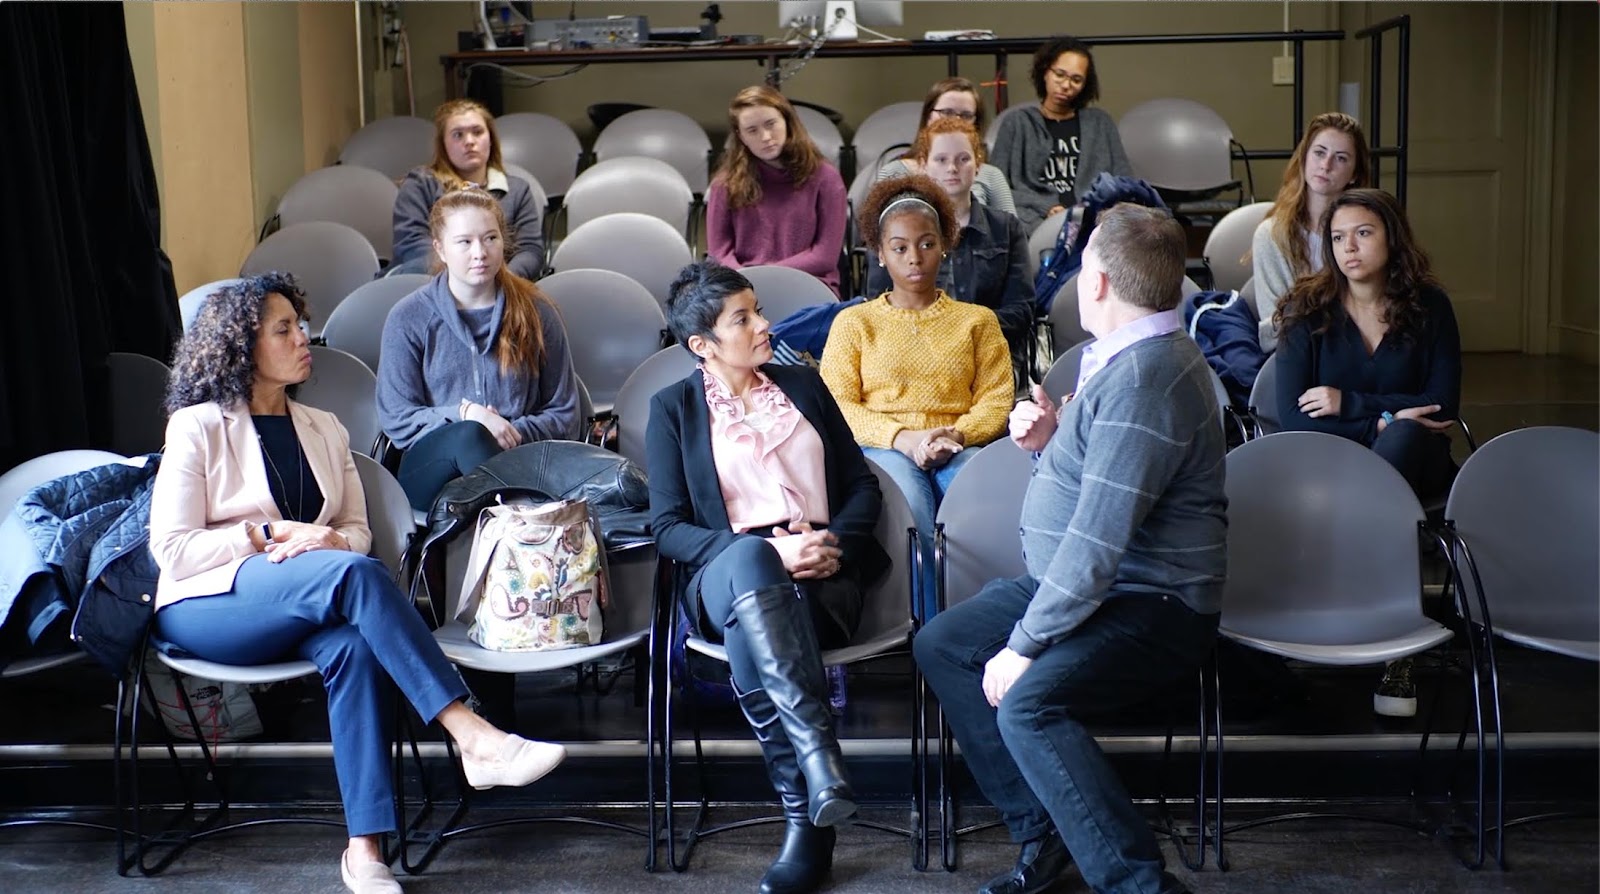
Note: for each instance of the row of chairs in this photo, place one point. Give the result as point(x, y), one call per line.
point(1324, 568)
point(1256, 578)
point(1176, 144)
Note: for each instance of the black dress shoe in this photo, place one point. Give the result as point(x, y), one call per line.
point(1038, 868)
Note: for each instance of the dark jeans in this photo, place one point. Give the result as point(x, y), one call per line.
point(1032, 757)
point(1420, 454)
point(440, 457)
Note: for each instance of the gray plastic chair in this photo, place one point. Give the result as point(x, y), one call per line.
point(1179, 144)
point(1264, 398)
point(1322, 553)
point(1524, 506)
point(540, 197)
point(664, 134)
point(1323, 565)
point(389, 518)
point(344, 386)
point(390, 146)
point(632, 407)
point(189, 304)
point(1043, 239)
point(138, 390)
point(14, 484)
point(19, 479)
point(328, 260)
point(1229, 242)
point(613, 325)
point(824, 133)
point(977, 535)
point(355, 196)
point(646, 185)
point(1522, 522)
point(886, 627)
point(783, 290)
point(646, 249)
point(356, 325)
point(629, 620)
point(893, 125)
point(1063, 375)
point(543, 145)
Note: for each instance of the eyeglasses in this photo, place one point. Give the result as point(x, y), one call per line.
point(956, 113)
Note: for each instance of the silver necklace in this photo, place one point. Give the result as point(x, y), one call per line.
point(300, 475)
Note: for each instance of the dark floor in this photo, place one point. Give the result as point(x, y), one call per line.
point(1326, 857)
point(1293, 734)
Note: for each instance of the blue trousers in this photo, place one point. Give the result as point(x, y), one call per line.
point(440, 457)
point(924, 490)
point(343, 613)
point(1032, 756)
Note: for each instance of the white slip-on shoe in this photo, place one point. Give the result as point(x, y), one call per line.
point(520, 762)
point(370, 877)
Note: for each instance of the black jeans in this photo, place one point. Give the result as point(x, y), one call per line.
point(1032, 756)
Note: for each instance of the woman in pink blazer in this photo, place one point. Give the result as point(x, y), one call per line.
point(259, 525)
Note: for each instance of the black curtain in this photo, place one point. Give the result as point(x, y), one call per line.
point(80, 234)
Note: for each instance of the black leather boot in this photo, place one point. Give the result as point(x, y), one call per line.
point(807, 854)
point(1039, 867)
point(783, 644)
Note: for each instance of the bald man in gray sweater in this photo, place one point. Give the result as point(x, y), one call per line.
point(1124, 537)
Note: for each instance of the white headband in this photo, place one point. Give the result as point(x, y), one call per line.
point(906, 200)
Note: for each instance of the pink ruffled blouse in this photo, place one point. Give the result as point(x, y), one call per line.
point(769, 459)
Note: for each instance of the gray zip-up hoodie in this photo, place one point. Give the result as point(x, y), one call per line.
point(431, 361)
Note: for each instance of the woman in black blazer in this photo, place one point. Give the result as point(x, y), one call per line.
point(759, 492)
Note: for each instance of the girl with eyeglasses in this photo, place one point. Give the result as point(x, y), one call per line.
point(957, 98)
point(1051, 153)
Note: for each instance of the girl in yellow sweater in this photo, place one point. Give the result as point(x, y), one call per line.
point(923, 380)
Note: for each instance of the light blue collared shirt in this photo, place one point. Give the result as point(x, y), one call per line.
point(1098, 353)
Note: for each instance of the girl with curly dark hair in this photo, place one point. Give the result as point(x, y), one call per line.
point(1051, 153)
point(466, 152)
point(258, 523)
point(474, 362)
point(775, 199)
point(923, 380)
point(1368, 349)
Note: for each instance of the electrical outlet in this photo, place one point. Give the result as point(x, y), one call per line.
point(1283, 71)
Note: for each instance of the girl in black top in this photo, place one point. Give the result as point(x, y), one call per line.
point(1369, 347)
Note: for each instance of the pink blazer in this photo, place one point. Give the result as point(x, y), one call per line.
point(213, 481)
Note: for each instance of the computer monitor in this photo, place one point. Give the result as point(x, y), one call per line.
point(815, 13)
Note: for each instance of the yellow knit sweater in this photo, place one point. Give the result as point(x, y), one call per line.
point(892, 369)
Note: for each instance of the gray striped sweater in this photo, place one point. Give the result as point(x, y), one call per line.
point(1127, 498)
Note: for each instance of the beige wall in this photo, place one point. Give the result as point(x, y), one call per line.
point(240, 100)
point(1575, 279)
point(203, 130)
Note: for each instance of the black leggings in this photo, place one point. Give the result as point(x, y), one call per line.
point(751, 563)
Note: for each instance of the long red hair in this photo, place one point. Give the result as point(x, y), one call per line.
point(521, 341)
point(1289, 214)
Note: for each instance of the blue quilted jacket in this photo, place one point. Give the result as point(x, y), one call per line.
point(78, 546)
